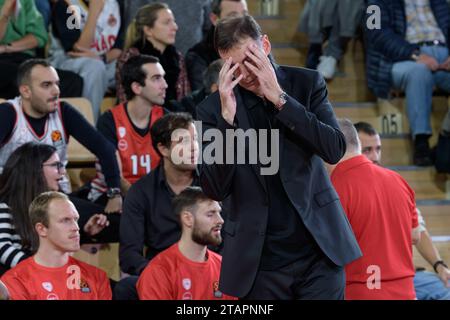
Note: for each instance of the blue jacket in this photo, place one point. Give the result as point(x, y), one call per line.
point(388, 44)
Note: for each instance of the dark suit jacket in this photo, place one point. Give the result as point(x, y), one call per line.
point(308, 134)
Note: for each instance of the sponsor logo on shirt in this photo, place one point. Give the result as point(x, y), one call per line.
point(84, 286)
point(52, 296)
point(122, 145)
point(122, 132)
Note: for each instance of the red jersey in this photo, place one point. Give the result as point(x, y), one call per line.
point(74, 281)
point(136, 152)
point(172, 276)
point(381, 210)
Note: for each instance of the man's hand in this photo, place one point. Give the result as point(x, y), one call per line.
point(114, 205)
point(226, 86)
point(95, 224)
point(444, 275)
point(445, 65)
point(263, 69)
point(8, 8)
point(429, 61)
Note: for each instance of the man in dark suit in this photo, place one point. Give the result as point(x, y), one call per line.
point(286, 235)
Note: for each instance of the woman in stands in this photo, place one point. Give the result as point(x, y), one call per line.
point(30, 170)
point(153, 32)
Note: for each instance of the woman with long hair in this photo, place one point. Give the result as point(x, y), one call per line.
point(30, 170)
point(153, 32)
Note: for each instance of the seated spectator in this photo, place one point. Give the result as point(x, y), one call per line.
point(210, 85)
point(382, 212)
point(147, 219)
point(334, 21)
point(192, 18)
point(166, 276)
point(38, 115)
point(410, 53)
point(153, 32)
point(51, 273)
point(88, 42)
point(30, 170)
point(428, 286)
point(200, 56)
point(22, 33)
point(127, 126)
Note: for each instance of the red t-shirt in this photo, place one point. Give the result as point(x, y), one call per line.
point(74, 281)
point(382, 212)
point(172, 276)
point(136, 152)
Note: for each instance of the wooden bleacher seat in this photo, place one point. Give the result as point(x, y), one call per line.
point(77, 154)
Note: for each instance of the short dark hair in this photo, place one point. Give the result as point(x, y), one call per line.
point(216, 7)
point(211, 74)
point(25, 68)
point(365, 127)
point(162, 129)
point(132, 71)
point(188, 199)
point(231, 31)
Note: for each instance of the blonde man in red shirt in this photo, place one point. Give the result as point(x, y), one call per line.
point(52, 274)
point(188, 270)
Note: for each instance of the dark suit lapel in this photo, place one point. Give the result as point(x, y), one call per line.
point(244, 123)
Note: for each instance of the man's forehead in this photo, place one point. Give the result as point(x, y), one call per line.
point(154, 69)
point(369, 139)
point(59, 208)
point(44, 74)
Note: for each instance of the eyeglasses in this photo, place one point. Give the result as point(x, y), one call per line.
point(58, 165)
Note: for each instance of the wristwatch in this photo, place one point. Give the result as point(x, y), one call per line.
point(437, 263)
point(113, 192)
point(415, 55)
point(281, 102)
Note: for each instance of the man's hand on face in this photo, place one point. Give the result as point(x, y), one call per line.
point(260, 66)
point(227, 82)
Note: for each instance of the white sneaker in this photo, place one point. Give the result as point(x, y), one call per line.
point(327, 66)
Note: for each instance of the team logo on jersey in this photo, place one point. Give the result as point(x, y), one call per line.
point(217, 293)
point(47, 286)
point(122, 145)
point(122, 132)
point(186, 283)
point(112, 21)
point(56, 136)
point(84, 286)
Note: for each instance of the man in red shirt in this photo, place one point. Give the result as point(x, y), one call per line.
point(127, 125)
point(381, 210)
point(188, 270)
point(52, 274)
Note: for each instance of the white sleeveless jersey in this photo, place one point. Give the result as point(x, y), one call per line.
point(108, 24)
point(54, 134)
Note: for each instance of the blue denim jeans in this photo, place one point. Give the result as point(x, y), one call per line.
point(417, 81)
point(429, 287)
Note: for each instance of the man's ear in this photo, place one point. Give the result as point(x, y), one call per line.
point(213, 18)
point(136, 88)
point(163, 150)
point(267, 47)
point(187, 218)
point(25, 91)
point(41, 230)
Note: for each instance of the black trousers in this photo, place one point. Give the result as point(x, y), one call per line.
point(311, 278)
